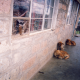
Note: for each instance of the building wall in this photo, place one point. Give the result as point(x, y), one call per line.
point(21, 57)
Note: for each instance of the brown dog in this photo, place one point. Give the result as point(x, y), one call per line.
point(20, 29)
point(69, 42)
point(60, 46)
point(61, 54)
point(73, 43)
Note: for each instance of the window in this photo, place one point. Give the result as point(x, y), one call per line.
point(21, 11)
point(48, 14)
point(31, 15)
point(69, 12)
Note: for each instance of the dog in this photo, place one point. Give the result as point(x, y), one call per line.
point(20, 29)
point(73, 43)
point(70, 43)
point(26, 26)
point(60, 46)
point(61, 54)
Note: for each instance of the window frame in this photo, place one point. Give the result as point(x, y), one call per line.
point(29, 18)
point(68, 19)
point(48, 18)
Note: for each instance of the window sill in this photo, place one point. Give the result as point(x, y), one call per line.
point(68, 24)
point(37, 32)
point(18, 36)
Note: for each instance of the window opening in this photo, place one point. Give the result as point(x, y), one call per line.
point(36, 19)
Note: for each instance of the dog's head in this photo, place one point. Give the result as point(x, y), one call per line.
point(68, 42)
point(60, 45)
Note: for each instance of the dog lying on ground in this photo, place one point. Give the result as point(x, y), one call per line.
point(69, 42)
point(61, 54)
point(60, 46)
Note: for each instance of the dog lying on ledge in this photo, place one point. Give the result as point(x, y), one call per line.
point(61, 54)
point(70, 42)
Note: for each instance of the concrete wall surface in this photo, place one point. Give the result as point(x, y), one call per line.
point(21, 57)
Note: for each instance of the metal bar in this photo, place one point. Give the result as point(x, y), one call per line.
point(30, 15)
point(26, 18)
